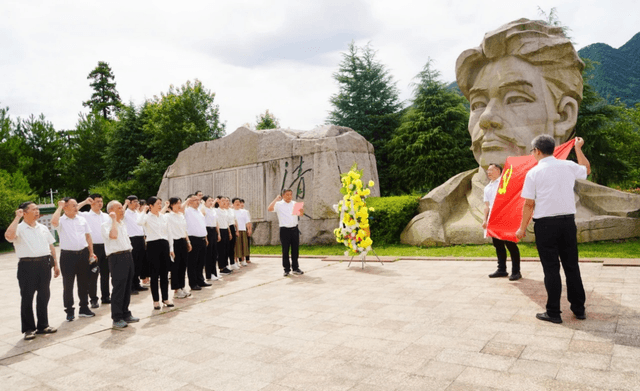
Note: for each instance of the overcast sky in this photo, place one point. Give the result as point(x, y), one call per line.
point(255, 55)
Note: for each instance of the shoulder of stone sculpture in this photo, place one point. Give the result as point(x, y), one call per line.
point(604, 200)
point(449, 193)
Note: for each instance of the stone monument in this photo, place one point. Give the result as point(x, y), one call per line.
point(522, 81)
point(257, 165)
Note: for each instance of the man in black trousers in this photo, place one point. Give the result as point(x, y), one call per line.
point(550, 200)
point(289, 233)
point(37, 256)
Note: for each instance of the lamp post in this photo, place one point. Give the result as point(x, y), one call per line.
point(51, 192)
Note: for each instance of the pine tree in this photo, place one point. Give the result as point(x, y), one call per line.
point(367, 102)
point(105, 99)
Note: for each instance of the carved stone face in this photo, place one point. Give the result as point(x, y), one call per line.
point(510, 105)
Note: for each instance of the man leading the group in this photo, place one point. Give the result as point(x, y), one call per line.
point(494, 171)
point(36, 256)
point(550, 200)
point(289, 233)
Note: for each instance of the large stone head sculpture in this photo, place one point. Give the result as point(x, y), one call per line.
point(522, 81)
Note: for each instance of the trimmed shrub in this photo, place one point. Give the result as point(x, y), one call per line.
point(390, 217)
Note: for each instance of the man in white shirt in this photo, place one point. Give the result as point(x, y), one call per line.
point(36, 256)
point(197, 231)
point(117, 247)
point(76, 253)
point(95, 218)
point(494, 172)
point(550, 200)
point(289, 233)
point(249, 231)
point(136, 235)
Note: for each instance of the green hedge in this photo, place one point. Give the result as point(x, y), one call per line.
point(390, 217)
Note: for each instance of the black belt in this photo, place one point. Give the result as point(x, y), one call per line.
point(29, 259)
point(559, 217)
point(290, 227)
point(120, 252)
point(75, 251)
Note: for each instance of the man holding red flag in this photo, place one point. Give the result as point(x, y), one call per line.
point(549, 199)
point(493, 173)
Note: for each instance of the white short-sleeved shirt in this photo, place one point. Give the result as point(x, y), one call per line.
point(72, 233)
point(285, 217)
point(223, 221)
point(131, 220)
point(196, 225)
point(95, 221)
point(490, 192)
point(550, 184)
point(242, 217)
point(122, 243)
point(177, 226)
point(210, 217)
point(156, 227)
point(32, 242)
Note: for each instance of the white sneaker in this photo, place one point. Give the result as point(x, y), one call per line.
point(235, 266)
point(244, 263)
point(180, 294)
point(214, 278)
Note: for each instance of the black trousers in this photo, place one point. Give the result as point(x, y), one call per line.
point(122, 270)
point(556, 237)
point(179, 265)
point(212, 253)
point(223, 249)
point(501, 252)
point(98, 250)
point(232, 244)
point(139, 255)
point(159, 260)
point(75, 264)
point(196, 262)
point(290, 239)
point(34, 276)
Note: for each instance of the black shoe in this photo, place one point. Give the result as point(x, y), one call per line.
point(106, 301)
point(70, 317)
point(86, 313)
point(581, 316)
point(94, 303)
point(204, 284)
point(134, 292)
point(226, 271)
point(298, 272)
point(196, 288)
point(29, 335)
point(498, 273)
point(131, 319)
point(286, 274)
point(515, 276)
point(140, 288)
point(544, 316)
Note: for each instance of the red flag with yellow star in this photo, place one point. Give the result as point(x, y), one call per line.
point(506, 214)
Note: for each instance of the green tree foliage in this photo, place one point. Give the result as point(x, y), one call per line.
point(611, 137)
point(367, 102)
point(41, 151)
point(9, 143)
point(85, 158)
point(105, 98)
point(174, 121)
point(14, 190)
point(126, 143)
point(432, 143)
point(267, 121)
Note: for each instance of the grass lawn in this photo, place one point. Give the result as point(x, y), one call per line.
point(629, 248)
point(609, 249)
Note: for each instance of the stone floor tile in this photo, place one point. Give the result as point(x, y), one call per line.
point(473, 359)
point(535, 368)
point(503, 349)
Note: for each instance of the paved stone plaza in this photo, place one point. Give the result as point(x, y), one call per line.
point(407, 325)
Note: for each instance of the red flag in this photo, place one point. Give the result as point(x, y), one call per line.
point(506, 214)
